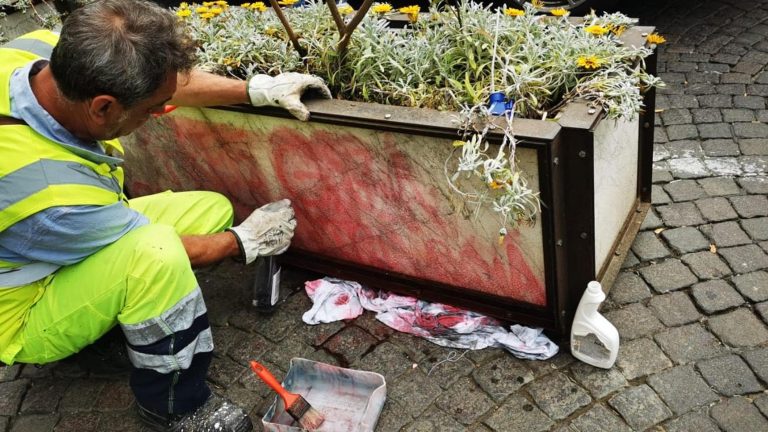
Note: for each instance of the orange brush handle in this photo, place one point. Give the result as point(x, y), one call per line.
point(270, 380)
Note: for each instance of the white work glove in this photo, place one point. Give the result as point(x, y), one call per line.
point(267, 231)
point(285, 90)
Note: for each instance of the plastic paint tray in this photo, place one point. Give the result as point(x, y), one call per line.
point(350, 400)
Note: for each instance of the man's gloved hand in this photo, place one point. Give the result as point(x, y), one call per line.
point(285, 90)
point(267, 231)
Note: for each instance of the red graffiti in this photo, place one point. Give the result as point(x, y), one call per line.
point(362, 203)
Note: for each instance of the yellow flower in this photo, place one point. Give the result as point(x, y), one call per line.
point(287, 2)
point(221, 3)
point(559, 12)
point(617, 30)
point(458, 143)
point(538, 4)
point(258, 6)
point(589, 62)
point(495, 185)
point(596, 30)
point(412, 12)
point(655, 38)
point(229, 61)
point(381, 8)
point(183, 12)
point(207, 4)
point(270, 31)
point(207, 15)
point(245, 5)
point(346, 10)
point(202, 9)
point(183, 5)
point(216, 10)
point(514, 12)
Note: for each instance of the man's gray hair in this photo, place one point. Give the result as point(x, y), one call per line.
point(122, 48)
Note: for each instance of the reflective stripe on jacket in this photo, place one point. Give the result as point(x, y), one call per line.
point(37, 173)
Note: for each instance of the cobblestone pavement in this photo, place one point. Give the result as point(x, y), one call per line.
point(691, 303)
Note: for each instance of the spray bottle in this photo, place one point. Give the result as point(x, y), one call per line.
point(266, 284)
point(594, 340)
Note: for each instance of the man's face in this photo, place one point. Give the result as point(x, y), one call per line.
point(132, 118)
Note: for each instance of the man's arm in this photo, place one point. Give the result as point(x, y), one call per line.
point(198, 89)
point(208, 249)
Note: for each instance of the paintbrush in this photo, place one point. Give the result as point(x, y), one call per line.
point(295, 405)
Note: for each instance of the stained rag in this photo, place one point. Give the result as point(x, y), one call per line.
point(448, 326)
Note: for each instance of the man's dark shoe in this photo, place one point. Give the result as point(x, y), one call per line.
point(216, 415)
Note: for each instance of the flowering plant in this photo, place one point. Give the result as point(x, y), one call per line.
point(452, 61)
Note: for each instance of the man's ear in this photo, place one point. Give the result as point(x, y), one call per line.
point(105, 109)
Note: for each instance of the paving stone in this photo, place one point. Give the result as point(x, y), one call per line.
point(648, 247)
point(754, 146)
point(688, 343)
point(714, 130)
point(557, 395)
point(684, 149)
point(719, 186)
point(738, 115)
point(293, 345)
point(669, 275)
point(502, 376)
point(754, 164)
point(682, 132)
point(43, 396)
point(676, 116)
point(560, 361)
point(715, 296)
point(688, 168)
point(685, 239)
point(651, 221)
point(753, 286)
point(706, 265)
point(658, 196)
point(724, 166)
point(729, 375)
point(76, 422)
point(736, 414)
point(762, 310)
point(754, 185)
point(517, 414)
point(716, 209)
point(680, 214)
point(388, 360)
point(392, 418)
point(641, 357)
point(749, 102)
point(674, 309)
point(599, 419)
point(732, 89)
point(640, 407)
point(12, 392)
point(706, 115)
point(9, 373)
point(630, 261)
point(465, 401)
point(446, 373)
point(720, 147)
point(80, 395)
point(368, 322)
point(715, 101)
point(634, 321)
point(628, 288)
point(745, 259)
point(661, 175)
point(684, 190)
point(756, 228)
point(739, 328)
point(726, 234)
point(35, 423)
point(749, 206)
point(761, 402)
point(690, 422)
point(682, 389)
point(350, 343)
point(599, 382)
point(758, 361)
point(414, 392)
point(115, 396)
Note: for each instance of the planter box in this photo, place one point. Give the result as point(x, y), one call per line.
point(373, 203)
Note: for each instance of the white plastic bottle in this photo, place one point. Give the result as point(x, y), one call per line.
point(594, 340)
